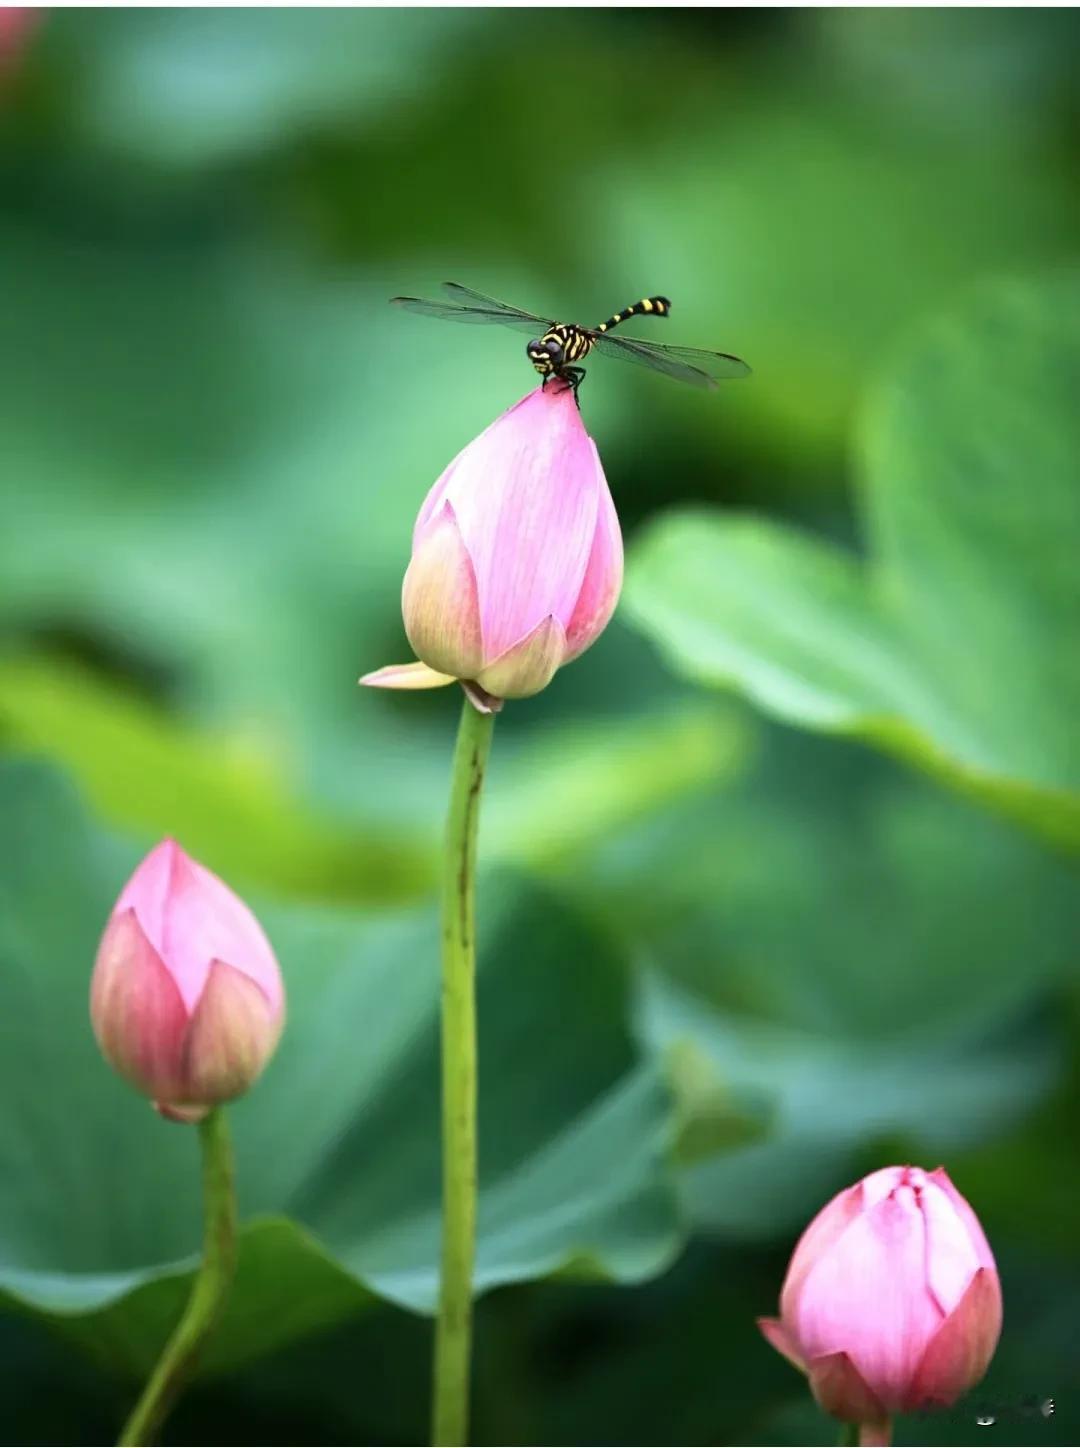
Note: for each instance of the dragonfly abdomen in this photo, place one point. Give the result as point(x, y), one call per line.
point(648, 306)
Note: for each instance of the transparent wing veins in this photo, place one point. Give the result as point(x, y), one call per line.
point(688, 364)
point(468, 297)
point(475, 309)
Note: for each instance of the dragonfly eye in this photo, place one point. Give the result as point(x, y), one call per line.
point(554, 350)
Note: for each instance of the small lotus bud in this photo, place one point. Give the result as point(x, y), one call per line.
point(186, 999)
point(517, 556)
point(892, 1302)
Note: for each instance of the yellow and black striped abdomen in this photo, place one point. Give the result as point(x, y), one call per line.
point(647, 307)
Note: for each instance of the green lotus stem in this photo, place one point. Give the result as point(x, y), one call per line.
point(453, 1329)
point(210, 1290)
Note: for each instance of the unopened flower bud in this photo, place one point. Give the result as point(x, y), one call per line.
point(892, 1302)
point(186, 999)
point(517, 556)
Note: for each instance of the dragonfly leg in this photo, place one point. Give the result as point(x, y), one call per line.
point(572, 376)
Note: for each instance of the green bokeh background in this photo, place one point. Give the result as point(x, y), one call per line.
point(776, 890)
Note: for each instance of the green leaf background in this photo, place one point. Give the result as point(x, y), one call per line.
point(955, 643)
point(778, 881)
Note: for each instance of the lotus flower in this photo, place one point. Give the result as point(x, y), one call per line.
point(517, 557)
point(186, 999)
point(892, 1302)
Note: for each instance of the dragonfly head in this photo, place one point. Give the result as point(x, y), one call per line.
point(545, 354)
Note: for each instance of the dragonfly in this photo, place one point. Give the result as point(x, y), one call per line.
point(555, 348)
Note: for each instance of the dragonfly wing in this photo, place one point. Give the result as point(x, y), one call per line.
point(474, 316)
point(646, 356)
point(720, 365)
point(688, 364)
point(465, 296)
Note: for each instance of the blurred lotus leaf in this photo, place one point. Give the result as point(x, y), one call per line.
point(554, 793)
point(866, 958)
point(955, 644)
point(190, 89)
point(805, 222)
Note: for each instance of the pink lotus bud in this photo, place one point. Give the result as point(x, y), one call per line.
point(892, 1302)
point(517, 556)
point(186, 1000)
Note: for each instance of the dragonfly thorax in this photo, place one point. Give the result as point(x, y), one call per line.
point(557, 347)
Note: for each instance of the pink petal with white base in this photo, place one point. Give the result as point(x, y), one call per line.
point(529, 666)
point(439, 600)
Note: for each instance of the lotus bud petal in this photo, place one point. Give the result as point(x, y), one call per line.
point(439, 602)
point(892, 1302)
point(529, 665)
point(406, 676)
point(517, 556)
point(186, 998)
